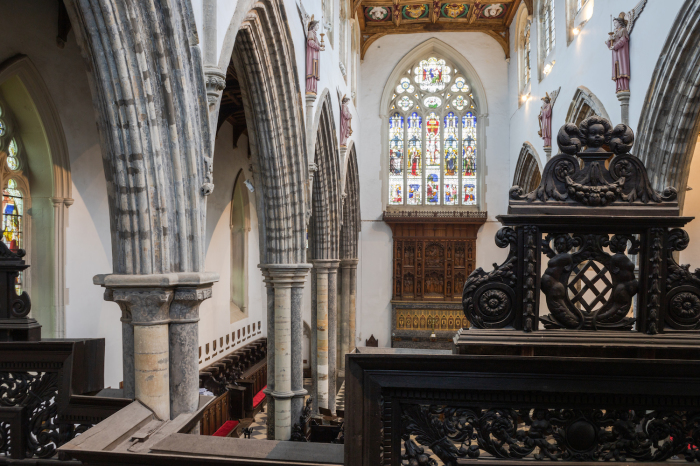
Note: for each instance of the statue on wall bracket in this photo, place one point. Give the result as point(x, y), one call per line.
point(313, 50)
point(618, 42)
point(545, 118)
point(345, 119)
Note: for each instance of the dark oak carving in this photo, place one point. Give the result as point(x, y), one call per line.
point(595, 209)
point(433, 253)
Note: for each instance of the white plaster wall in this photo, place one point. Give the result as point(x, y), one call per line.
point(215, 321)
point(374, 269)
point(30, 28)
point(586, 62)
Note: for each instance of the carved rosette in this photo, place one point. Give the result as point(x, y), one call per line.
point(489, 298)
point(682, 287)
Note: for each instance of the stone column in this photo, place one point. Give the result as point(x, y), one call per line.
point(347, 312)
point(149, 309)
point(326, 334)
point(353, 308)
point(288, 282)
point(270, 355)
point(159, 336)
point(624, 98)
point(313, 343)
point(332, 333)
point(183, 338)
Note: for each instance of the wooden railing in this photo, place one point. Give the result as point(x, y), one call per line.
point(234, 380)
point(47, 394)
point(451, 409)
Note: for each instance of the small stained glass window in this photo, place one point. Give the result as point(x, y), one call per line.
point(432, 102)
point(3, 128)
point(432, 74)
point(459, 102)
point(548, 26)
point(405, 103)
point(12, 234)
point(460, 85)
point(405, 86)
point(12, 159)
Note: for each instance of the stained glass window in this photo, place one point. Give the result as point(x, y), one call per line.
point(432, 74)
point(433, 155)
point(12, 209)
point(2, 128)
point(548, 26)
point(396, 148)
point(451, 170)
point(432, 159)
point(414, 176)
point(469, 159)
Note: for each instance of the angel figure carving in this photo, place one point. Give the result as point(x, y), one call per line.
point(619, 43)
point(545, 117)
point(345, 117)
point(313, 49)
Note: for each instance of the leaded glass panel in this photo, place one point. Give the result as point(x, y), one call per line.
point(451, 171)
point(469, 159)
point(12, 234)
point(432, 159)
point(396, 148)
point(414, 177)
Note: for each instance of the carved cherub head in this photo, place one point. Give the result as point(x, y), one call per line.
point(595, 131)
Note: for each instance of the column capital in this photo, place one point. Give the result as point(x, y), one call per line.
point(326, 264)
point(147, 299)
point(348, 263)
point(285, 274)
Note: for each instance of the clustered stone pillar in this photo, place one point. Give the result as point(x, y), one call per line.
point(326, 271)
point(348, 268)
point(285, 287)
point(160, 315)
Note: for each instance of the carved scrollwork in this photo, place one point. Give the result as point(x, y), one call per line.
point(571, 278)
point(580, 176)
point(452, 433)
point(489, 298)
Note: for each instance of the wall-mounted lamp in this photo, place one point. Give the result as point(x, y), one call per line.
point(576, 31)
point(548, 67)
point(525, 97)
point(249, 185)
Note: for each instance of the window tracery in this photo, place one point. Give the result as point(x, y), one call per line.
point(432, 137)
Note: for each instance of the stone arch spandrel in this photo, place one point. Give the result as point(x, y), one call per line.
point(669, 120)
point(264, 59)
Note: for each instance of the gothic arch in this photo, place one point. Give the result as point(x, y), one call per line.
point(52, 186)
point(325, 194)
point(351, 209)
point(584, 104)
point(264, 59)
point(152, 114)
point(528, 172)
point(437, 47)
point(669, 121)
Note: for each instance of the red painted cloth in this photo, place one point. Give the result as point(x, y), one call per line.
point(225, 429)
point(259, 397)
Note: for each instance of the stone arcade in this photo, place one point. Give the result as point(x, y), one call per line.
point(260, 231)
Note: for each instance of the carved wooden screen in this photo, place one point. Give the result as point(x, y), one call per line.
point(432, 256)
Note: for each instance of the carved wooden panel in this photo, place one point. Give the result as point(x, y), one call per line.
point(432, 258)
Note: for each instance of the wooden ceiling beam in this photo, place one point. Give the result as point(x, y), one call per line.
point(511, 13)
point(411, 27)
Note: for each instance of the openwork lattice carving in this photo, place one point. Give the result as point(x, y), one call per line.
point(449, 433)
point(594, 208)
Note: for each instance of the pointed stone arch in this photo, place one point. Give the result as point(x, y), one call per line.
point(265, 63)
point(583, 105)
point(51, 185)
point(670, 118)
point(325, 195)
point(351, 209)
point(528, 172)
